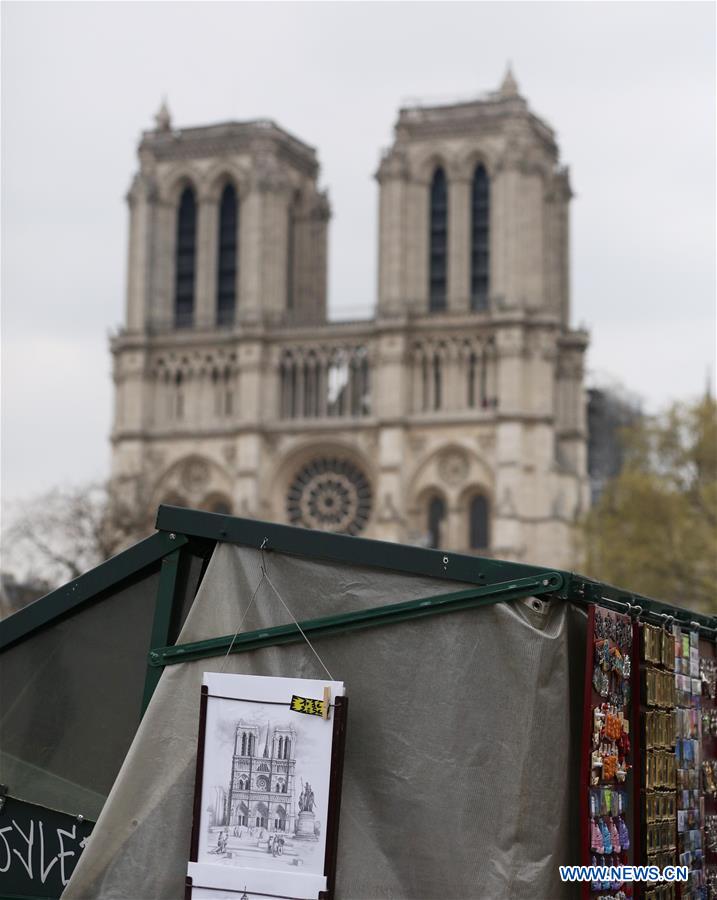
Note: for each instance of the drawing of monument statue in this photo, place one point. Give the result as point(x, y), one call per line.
point(305, 829)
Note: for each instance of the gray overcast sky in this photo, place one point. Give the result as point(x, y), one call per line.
point(629, 87)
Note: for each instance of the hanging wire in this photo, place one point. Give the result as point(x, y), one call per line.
point(265, 575)
point(246, 612)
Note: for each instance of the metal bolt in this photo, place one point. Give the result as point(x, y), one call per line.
point(80, 818)
point(445, 560)
point(172, 537)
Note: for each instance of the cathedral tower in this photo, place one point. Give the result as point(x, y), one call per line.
point(454, 418)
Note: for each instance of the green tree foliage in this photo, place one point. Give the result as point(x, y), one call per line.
point(654, 529)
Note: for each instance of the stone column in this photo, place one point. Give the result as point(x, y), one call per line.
point(163, 272)
point(508, 538)
point(272, 402)
point(250, 256)
point(141, 199)
point(250, 381)
point(392, 288)
point(564, 248)
point(416, 237)
point(205, 298)
point(504, 233)
point(417, 376)
point(529, 236)
point(459, 195)
point(274, 241)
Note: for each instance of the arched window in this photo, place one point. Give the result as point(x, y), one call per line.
point(227, 261)
point(243, 745)
point(472, 380)
point(436, 515)
point(480, 239)
point(437, 381)
point(287, 749)
point(478, 524)
point(178, 397)
point(185, 260)
point(425, 382)
point(438, 253)
point(281, 746)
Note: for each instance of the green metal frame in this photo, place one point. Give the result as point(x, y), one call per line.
point(356, 620)
point(411, 560)
point(184, 531)
point(88, 588)
point(163, 611)
point(341, 548)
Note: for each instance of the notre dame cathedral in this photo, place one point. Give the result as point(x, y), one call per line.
point(455, 417)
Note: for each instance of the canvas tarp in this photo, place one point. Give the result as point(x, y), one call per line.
point(461, 767)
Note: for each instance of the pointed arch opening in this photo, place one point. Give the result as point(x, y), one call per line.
point(478, 522)
point(436, 513)
point(185, 261)
point(438, 252)
point(292, 214)
point(480, 239)
point(227, 262)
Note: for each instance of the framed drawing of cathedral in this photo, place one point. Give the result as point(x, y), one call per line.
point(268, 787)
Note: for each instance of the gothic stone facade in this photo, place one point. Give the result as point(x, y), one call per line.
point(455, 417)
point(261, 790)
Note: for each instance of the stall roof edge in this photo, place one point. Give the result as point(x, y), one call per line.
point(442, 564)
point(107, 575)
point(178, 526)
point(342, 548)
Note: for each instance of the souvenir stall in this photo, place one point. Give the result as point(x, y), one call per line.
point(649, 745)
point(254, 710)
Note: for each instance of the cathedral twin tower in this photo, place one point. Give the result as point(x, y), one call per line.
point(453, 418)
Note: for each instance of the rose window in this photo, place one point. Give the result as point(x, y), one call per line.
point(330, 494)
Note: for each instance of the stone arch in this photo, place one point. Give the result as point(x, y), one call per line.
point(467, 163)
point(218, 503)
point(427, 470)
point(424, 166)
point(453, 468)
point(196, 478)
point(224, 172)
point(172, 498)
point(466, 510)
point(430, 514)
point(176, 180)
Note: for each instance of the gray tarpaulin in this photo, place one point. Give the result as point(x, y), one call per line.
point(462, 746)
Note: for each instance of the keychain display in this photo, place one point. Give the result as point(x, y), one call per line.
point(671, 676)
point(608, 747)
point(692, 775)
point(658, 798)
point(708, 679)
